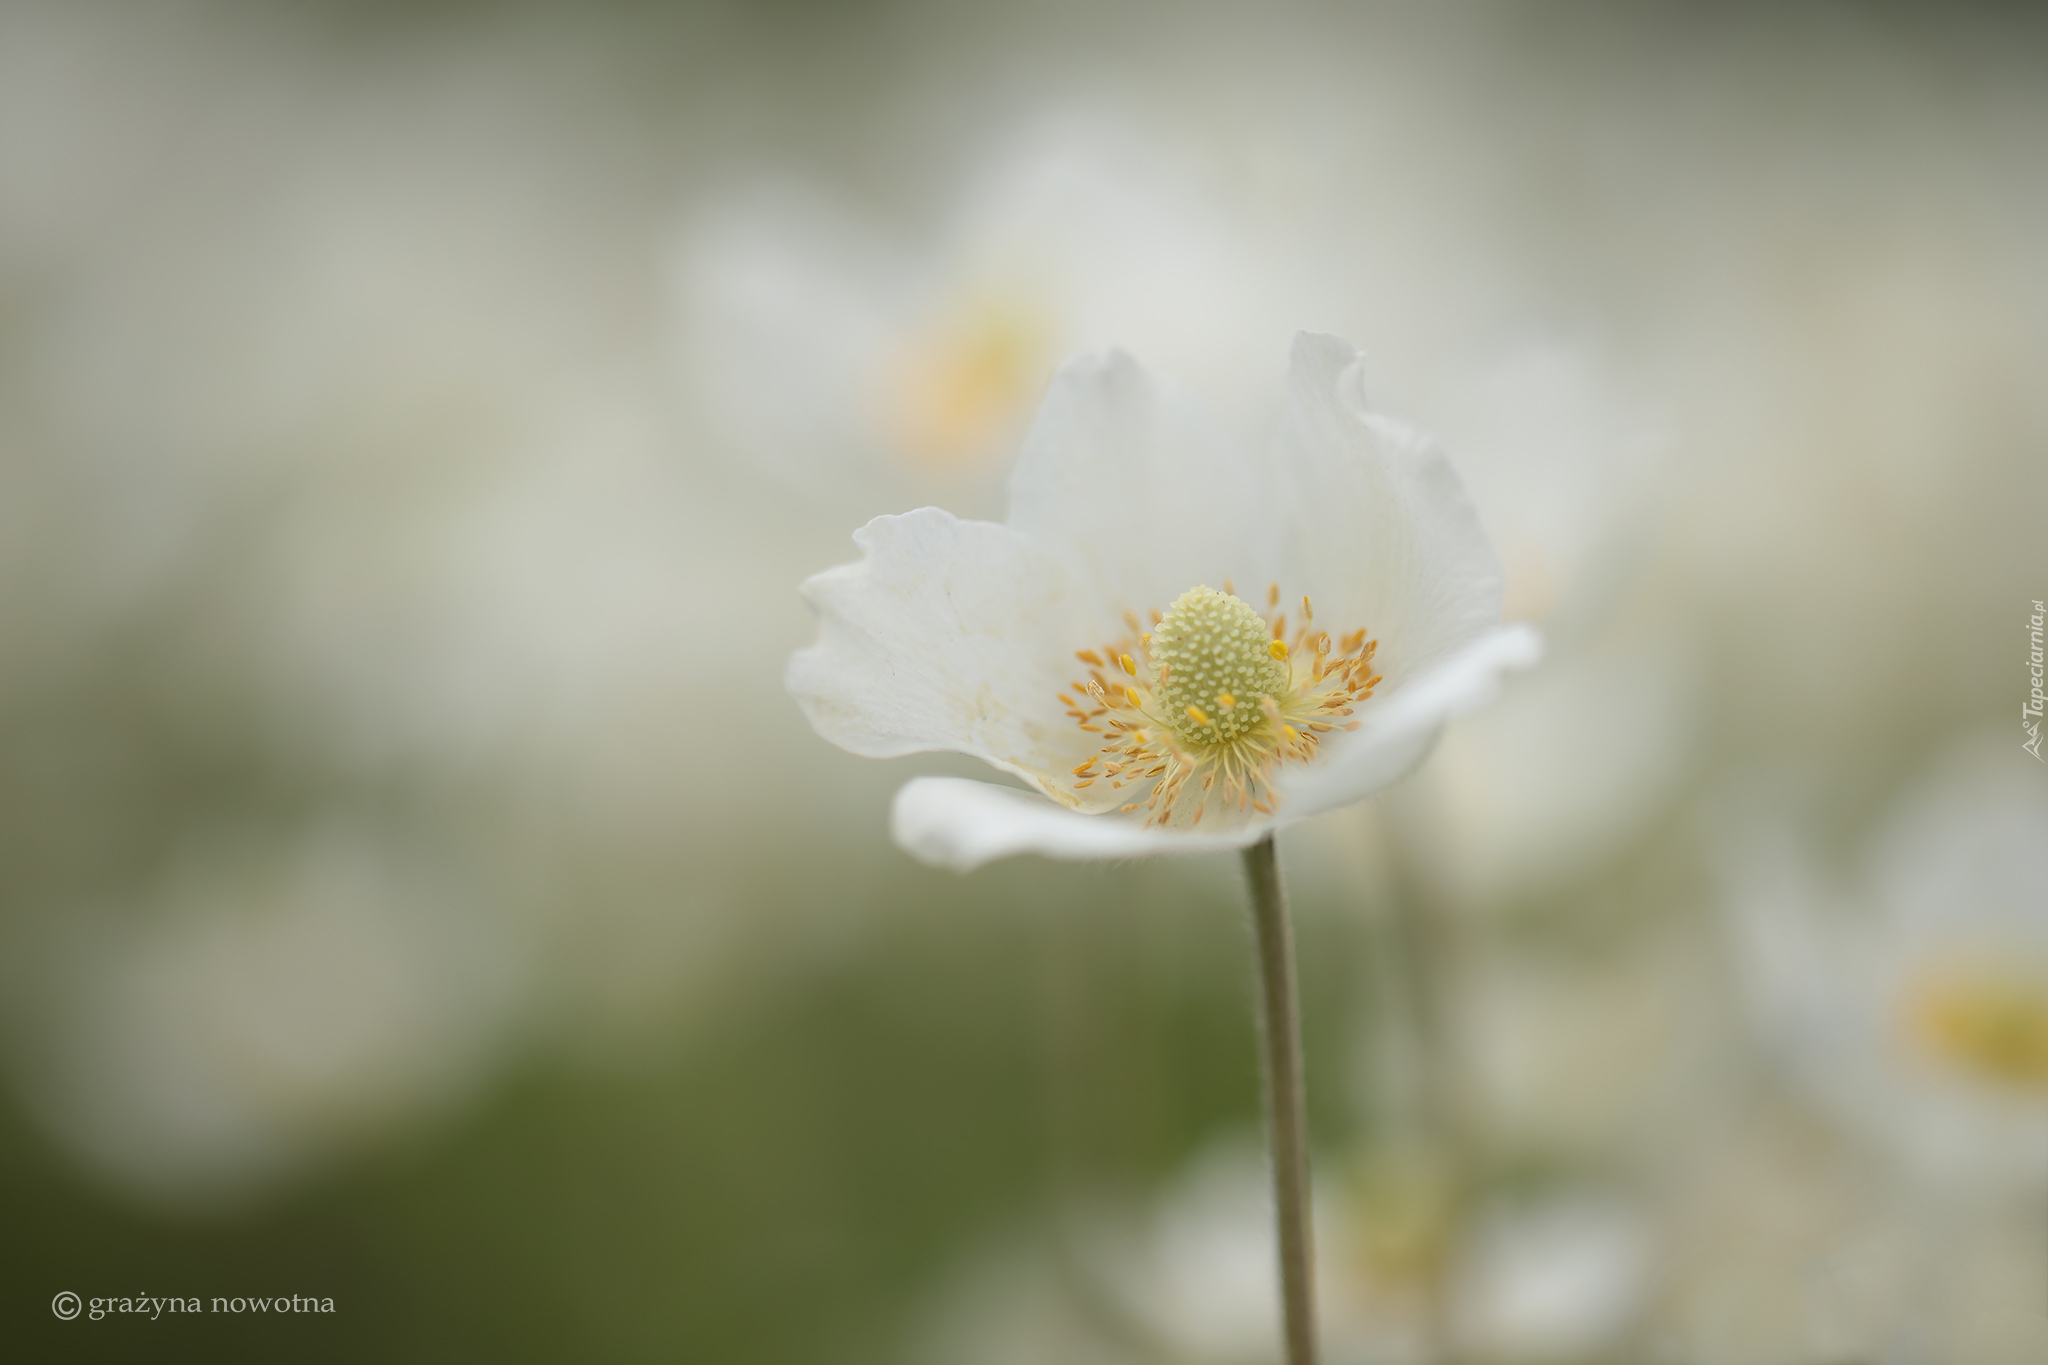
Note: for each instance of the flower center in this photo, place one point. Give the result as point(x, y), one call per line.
point(966, 378)
point(1216, 664)
point(1993, 1025)
point(1206, 705)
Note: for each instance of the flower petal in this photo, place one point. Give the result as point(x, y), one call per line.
point(1400, 724)
point(1123, 468)
point(947, 634)
point(1380, 531)
point(959, 823)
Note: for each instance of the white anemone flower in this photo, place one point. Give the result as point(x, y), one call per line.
point(1095, 645)
point(1914, 1006)
point(848, 357)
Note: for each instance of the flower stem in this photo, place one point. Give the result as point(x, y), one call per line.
point(1286, 1103)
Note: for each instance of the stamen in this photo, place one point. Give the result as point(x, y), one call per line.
point(1189, 679)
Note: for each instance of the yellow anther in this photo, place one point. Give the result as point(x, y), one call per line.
point(1187, 737)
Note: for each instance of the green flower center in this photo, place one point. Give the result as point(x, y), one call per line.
point(1218, 663)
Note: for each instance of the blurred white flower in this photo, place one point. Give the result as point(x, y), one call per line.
point(1188, 1277)
point(1561, 1278)
point(1567, 468)
point(841, 355)
point(962, 636)
point(1573, 763)
point(1568, 474)
point(269, 1010)
point(1912, 1004)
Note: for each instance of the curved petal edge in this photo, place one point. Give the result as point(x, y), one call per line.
point(1398, 734)
point(961, 824)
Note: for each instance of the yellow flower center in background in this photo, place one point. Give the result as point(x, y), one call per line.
point(1989, 1022)
point(967, 378)
point(1211, 701)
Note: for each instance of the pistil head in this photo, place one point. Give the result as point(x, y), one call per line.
point(1210, 646)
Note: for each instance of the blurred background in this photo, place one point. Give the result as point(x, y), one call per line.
point(416, 889)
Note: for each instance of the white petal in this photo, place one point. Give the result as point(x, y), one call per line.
point(947, 635)
point(957, 823)
point(1400, 724)
point(1380, 531)
point(1122, 467)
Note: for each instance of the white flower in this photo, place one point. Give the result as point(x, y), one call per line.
point(1914, 1006)
point(1561, 1273)
point(846, 355)
point(1084, 646)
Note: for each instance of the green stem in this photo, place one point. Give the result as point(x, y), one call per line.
point(1286, 1103)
